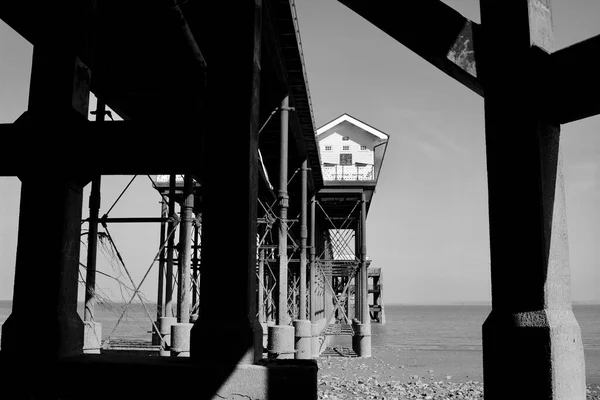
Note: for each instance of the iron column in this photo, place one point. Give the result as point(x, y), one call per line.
point(303, 236)
point(261, 286)
point(282, 293)
point(90, 276)
point(161, 263)
point(313, 272)
point(364, 284)
point(170, 248)
point(185, 241)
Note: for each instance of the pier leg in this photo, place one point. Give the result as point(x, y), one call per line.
point(180, 332)
point(283, 318)
point(227, 329)
point(44, 325)
point(363, 329)
point(168, 311)
point(532, 329)
point(92, 334)
point(160, 301)
point(303, 344)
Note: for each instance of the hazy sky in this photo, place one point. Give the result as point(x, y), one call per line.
point(428, 225)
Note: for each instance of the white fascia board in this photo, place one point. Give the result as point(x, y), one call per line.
point(355, 122)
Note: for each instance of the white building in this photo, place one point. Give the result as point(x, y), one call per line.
point(350, 150)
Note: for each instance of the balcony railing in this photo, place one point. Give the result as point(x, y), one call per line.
point(348, 173)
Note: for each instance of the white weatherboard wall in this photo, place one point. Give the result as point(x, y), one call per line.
point(335, 142)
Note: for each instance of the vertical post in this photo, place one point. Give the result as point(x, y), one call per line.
point(313, 267)
point(90, 276)
point(160, 302)
point(170, 250)
point(303, 327)
point(195, 267)
point(303, 237)
point(235, 336)
point(531, 326)
point(362, 325)
point(92, 332)
point(168, 319)
point(281, 336)
point(261, 286)
point(282, 195)
point(185, 241)
point(180, 332)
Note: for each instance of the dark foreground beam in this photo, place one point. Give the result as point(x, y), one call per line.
point(431, 29)
point(576, 70)
point(110, 148)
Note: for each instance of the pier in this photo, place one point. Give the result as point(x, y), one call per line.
point(284, 224)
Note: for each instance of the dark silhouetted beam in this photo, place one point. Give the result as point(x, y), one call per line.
point(110, 148)
point(575, 68)
point(431, 29)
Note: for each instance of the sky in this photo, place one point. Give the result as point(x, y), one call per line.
point(428, 224)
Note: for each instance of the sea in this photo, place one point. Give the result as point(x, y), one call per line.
point(413, 327)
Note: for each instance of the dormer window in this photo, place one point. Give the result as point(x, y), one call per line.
point(363, 147)
point(327, 148)
point(346, 138)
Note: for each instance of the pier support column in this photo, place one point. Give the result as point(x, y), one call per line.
point(531, 330)
point(92, 334)
point(160, 300)
point(228, 330)
point(44, 325)
point(280, 336)
point(180, 332)
point(168, 310)
point(362, 330)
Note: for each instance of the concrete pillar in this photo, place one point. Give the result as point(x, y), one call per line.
point(168, 311)
point(282, 195)
point(228, 329)
point(92, 334)
point(180, 339)
point(281, 342)
point(44, 325)
point(531, 330)
point(54, 330)
point(164, 326)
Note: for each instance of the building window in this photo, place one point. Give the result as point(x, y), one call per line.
point(345, 148)
point(327, 148)
point(346, 138)
point(363, 147)
point(345, 159)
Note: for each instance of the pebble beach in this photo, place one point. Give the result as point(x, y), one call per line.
point(397, 374)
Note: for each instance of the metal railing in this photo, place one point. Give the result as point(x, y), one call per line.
point(348, 173)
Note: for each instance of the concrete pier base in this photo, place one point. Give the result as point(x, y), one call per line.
point(180, 340)
point(92, 337)
point(164, 324)
point(543, 350)
point(281, 342)
point(315, 342)
point(155, 336)
point(303, 339)
point(265, 341)
point(361, 341)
